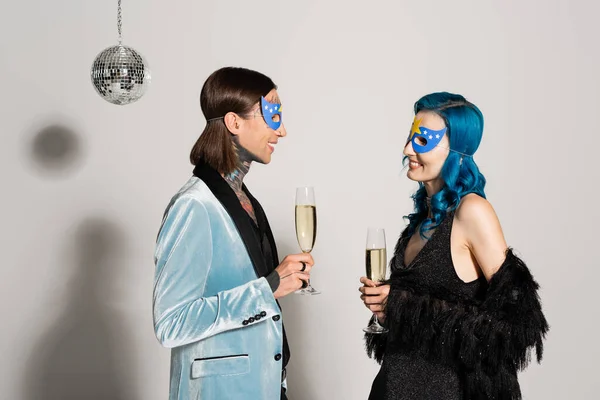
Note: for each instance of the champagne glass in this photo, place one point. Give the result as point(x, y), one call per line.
point(306, 226)
point(376, 262)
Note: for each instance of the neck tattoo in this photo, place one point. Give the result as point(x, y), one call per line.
point(236, 179)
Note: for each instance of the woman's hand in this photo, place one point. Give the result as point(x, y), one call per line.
point(374, 296)
point(291, 274)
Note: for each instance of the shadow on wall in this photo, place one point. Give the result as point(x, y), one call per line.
point(81, 356)
point(55, 149)
point(295, 314)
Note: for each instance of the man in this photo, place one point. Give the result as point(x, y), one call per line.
point(218, 277)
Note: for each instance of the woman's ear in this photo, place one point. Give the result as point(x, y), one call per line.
point(232, 122)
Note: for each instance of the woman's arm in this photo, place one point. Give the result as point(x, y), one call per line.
point(183, 260)
point(482, 233)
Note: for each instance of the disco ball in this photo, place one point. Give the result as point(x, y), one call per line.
point(120, 75)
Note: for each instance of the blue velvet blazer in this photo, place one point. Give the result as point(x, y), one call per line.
point(211, 303)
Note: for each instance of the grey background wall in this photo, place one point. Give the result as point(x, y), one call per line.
point(84, 182)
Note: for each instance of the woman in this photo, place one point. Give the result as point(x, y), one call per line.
point(462, 309)
point(217, 275)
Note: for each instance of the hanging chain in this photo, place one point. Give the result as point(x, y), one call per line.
point(119, 22)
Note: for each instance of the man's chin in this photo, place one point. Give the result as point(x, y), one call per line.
point(262, 160)
point(259, 159)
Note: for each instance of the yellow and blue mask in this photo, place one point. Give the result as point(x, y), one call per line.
point(424, 139)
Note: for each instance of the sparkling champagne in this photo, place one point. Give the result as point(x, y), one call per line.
point(376, 262)
point(306, 226)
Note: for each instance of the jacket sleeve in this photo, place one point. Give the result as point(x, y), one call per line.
point(505, 328)
point(183, 259)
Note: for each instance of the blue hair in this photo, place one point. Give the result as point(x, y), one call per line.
point(460, 173)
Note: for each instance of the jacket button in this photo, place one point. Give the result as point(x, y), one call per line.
point(263, 314)
point(276, 318)
point(250, 320)
point(277, 357)
point(257, 317)
point(245, 322)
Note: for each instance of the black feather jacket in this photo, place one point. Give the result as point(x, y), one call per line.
point(488, 340)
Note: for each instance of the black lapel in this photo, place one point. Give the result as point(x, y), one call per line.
point(240, 217)
point(261, 216)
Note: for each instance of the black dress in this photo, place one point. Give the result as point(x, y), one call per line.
point(406, 374)
point(451, 340)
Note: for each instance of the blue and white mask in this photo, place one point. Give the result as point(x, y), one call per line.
point(271, 113)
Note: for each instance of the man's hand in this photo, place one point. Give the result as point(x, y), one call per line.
point(293, 271)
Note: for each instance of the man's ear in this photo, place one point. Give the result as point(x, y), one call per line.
point(232, 122)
